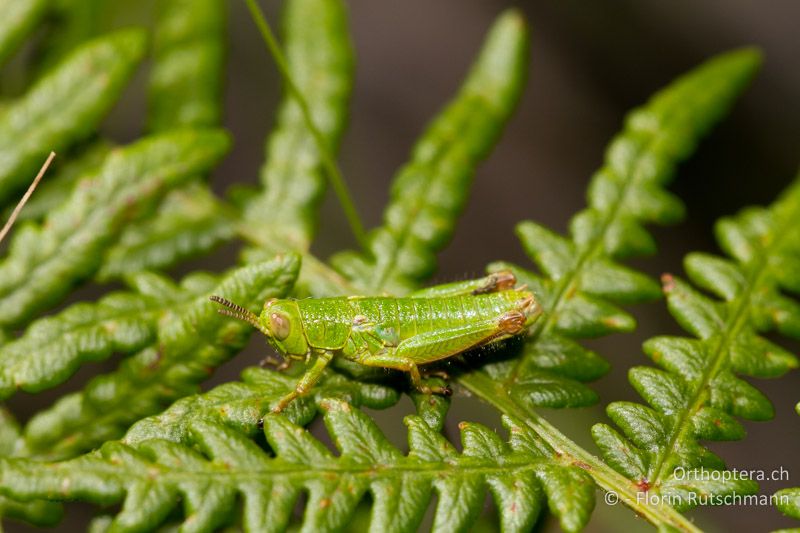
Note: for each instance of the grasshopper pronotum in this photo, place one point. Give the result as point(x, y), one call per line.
point(398, 333)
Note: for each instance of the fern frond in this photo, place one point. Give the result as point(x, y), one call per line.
point(53, 347)
point(190, 222)
point(19, 18)
point(292, 185)
point(292, 174)
point(320, 60)
point(37, 512)
point(430, 191)
point(61, 179)
point(46, 260)
point(151, 476)
point(787, 500)
point(185, 90)
point(580, 282)
point(241, 404)
point(697, 395)
point(68, 24)
point(65, 105)
point(185, 86)
point(191, 341)
point(583, 283)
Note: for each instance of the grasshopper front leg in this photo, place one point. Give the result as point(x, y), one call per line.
point(434, 346)
point(279, 363)
point(307, 381)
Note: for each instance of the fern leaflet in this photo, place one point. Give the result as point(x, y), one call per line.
point(46, 260)
point(191, 341)
point(37, 512)
point(430, 191)
point(19, 18)
point(53, 347)
point(65, 105)
point(185, 89)
point(581, 282)
point(697, 394)
point(223, 464)
point(190, 221)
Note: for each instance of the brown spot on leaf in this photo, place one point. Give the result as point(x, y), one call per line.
point(581, 464)
point(156, 362)
point(667, 283)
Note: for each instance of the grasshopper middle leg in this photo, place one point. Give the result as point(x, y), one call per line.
point(388, 359)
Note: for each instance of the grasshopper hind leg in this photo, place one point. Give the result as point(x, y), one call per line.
point(502, 280)
point(436, 346)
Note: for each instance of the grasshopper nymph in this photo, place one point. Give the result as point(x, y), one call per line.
point(398, 333)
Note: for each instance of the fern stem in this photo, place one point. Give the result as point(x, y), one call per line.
point(331, 168)
point(569, 453)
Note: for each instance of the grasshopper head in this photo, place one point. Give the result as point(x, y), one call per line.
point(280, 321)
point(283, 326)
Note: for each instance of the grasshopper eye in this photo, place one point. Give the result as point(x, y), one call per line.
point(279, 326)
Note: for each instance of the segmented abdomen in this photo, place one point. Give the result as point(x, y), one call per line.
point(412, 316)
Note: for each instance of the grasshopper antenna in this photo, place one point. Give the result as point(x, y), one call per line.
point(25, 197)
point(237, 311)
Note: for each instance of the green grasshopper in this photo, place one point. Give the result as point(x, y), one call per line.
point(397, 333)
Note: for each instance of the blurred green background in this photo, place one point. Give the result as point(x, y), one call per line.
point(590, 63)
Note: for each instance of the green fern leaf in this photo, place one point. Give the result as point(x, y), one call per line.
point(697, 395)
point(37, 512)
point(241, 405)
point(69, 24)
point(580, 282)
point(553, 366)
point(46, 260)
point(191, 341)
point(65, 105)
point(190, 221)
point(19, 18)
point(320, 61)
point(152, 475)
point(204, 433)
point(788, 502)
point(184, 91)
point(293, 185)
point(188, 54)
point(282, 216)
point(429, 192)
point(53, 347)
point(61, 179)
